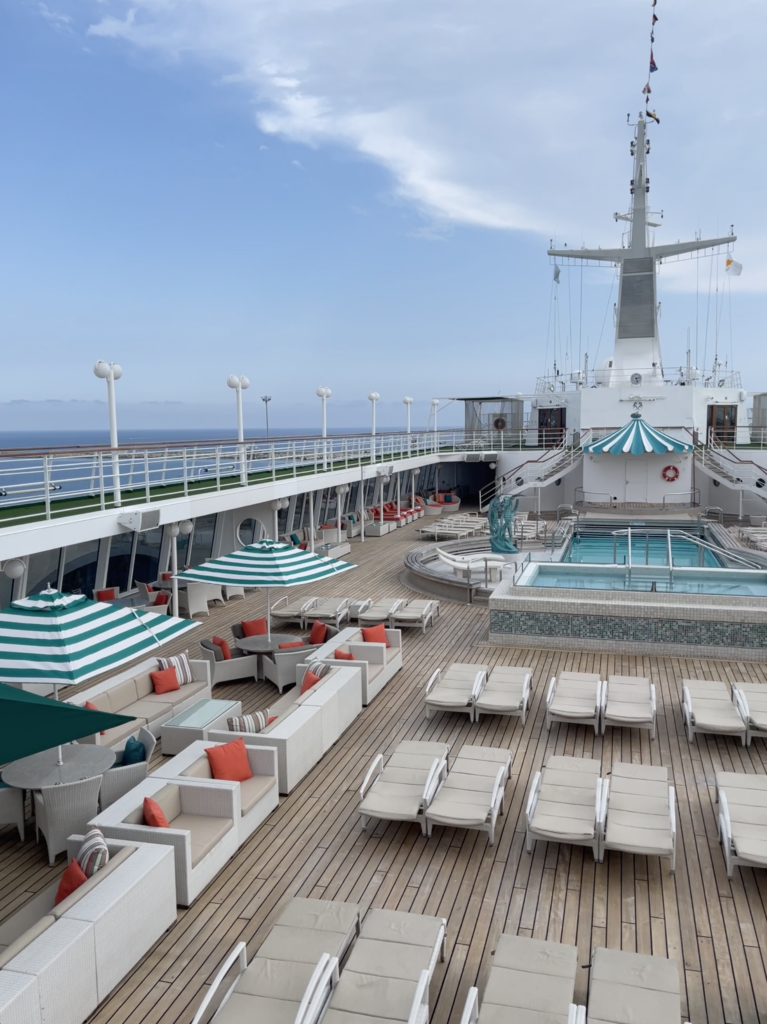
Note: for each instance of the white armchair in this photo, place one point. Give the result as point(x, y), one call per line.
point(193, 599)
point(62, 810)
point(240, 666)
point(121, 779)
point(203, 827)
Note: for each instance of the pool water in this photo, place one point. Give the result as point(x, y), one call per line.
point(599, 550)
point(726, 582)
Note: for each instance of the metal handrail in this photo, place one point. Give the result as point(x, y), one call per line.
point(702, 545)
point(706, 513)
point(693, 493)
point(602, 494)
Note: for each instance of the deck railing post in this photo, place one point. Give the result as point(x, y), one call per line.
point(147, 489)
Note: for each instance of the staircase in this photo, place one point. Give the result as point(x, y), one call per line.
point(540, 472)
point(723, 465)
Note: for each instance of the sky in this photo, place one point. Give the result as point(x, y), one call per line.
point(358, 194)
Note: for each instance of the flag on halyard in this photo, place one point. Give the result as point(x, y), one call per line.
point(733, 267)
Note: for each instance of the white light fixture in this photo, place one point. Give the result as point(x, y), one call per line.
point(266, 399)
point(14, 569)
point(324, 394)
point(110, 372)
point(408, 402)
point(183, 527)
point(373, 397)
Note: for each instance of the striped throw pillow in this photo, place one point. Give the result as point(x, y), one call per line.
point(182, 666)
point(249, 723)
point(93, 853)
point(319, 668)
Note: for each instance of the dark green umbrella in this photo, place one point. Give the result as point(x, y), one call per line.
point(30, 723)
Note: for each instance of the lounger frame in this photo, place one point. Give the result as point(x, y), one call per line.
point(740, 699)
point(479, 681)
point(602, 825)
point(495, 807)
point(437, 774)
point(552, 716)
point(691, 729)
point(532, 800)
point(652, 726)
point(520, 712)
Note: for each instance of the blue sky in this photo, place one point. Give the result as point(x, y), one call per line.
point(355, 194)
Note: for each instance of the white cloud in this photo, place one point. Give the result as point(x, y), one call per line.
point(61, 22)
point(496, 115)
point(298, 164)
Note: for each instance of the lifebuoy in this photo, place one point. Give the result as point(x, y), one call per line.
point(670, 474)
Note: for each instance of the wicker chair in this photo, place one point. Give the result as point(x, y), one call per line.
point(121, 779)
point(231, 593)
point(193, 599)
point(61, 811)
point(12, 807)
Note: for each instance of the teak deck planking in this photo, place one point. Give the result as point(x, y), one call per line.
point(715, 928)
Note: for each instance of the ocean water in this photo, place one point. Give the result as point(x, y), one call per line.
point(74, 438)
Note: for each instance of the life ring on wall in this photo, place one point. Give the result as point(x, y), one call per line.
point(670, 474)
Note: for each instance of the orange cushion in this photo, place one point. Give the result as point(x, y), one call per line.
point(161, 599)
point(375, 634)
point(92, 707)
point(164, 680)
point(166, 576)
point(72, 879)
point(318, 633)
point(310, 680)
point(343, 655)
point(154, 814)
point(296, 643)
point(225, 650)
point(254, 627)
point(303, 546)
point(272, 718)
point(106, 595)
point(230, 761)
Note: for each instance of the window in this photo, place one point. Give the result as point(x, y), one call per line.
point(202, 540)
point(118, 570)
point(80, 561)
point(43, 570)
point(146, 563)
point(6, 590)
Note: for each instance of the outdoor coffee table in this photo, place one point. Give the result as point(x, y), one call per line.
point(193, 724)
point(81, 761)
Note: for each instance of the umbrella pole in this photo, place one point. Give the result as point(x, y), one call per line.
point(268, 616)
point(60, 759)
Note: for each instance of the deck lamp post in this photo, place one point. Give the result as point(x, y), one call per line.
point(240, 384)
point(340, 492)
point(413, 475)
point(373, 398)
point(185, 527)
point(277, 504)
point(324, 394)
point(435, 406)
point(266, 399)
point(110, 372)
point(408, 402)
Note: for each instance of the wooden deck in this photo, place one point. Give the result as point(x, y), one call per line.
point(312, 845)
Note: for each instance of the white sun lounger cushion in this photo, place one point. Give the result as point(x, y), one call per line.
point(756, 698)
point(638, 819)
point(380, 610)
point(504, 689)
point(414, 610)
point(712, 707)
point(476, 760)
point(454, 688)
point(531, 981)
point(575, 695)
point(630, 987)
point(746, 797)
point(397, 794)
point(566, 806)
point(463, 801)
point(308, 928)
point(629, 700)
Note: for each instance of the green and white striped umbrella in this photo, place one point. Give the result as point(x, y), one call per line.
point(637, 438)
point(266, 564)
point(65, 638)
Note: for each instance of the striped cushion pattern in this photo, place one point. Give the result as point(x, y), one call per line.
point(249, 723)
point(182, 666)
point(319, 668)
point(93, 853)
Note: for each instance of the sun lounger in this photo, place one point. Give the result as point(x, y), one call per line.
point(531, 981)
point(387, 975)
point(639, 812)
point(574, 697)
point(742, 819)
point(455, 689)
point(751, 699)
point(628, 702)
point(564, 803)
point(333, 610)
point(415, 613)
point(295, 967)
point(379, 611)
point(629, 987)
point(472, 794)
point(506, 692)
point(399, 791)
point(297, 611)
point(707, 707)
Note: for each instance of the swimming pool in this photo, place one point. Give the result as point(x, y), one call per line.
point(598, 549)
point(725, 582)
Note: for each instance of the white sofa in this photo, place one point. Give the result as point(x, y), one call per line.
point(60, 961)
point(202, 831)
point(131, 693)
point(378, 662)
point(258, 795)
point(307, 724)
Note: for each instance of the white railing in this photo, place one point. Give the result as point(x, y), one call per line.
point(40, 484)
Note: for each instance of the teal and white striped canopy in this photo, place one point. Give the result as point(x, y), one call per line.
point(266, 564)
point(637, 438)
point(65, 638)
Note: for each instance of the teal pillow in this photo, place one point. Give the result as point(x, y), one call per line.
point(295, 538)
point(448, 497)
point(134, 752)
